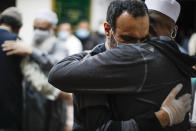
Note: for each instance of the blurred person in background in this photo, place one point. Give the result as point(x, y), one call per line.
point(99, 35)
point(72, 44)
point(192, 52)
point(10, 73)
point(67, 40)
point(84, 35)
point(192, 45)
point(50, 113)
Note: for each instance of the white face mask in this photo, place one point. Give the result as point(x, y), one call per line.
point(41, 35)
point(63, 35)
point(82, 33)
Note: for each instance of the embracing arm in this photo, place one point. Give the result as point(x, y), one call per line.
point(172, 112)
point(45, 60)
point(116, 69)
point(98, 118)
point(144, 122)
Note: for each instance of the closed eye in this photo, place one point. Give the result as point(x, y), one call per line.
point(128, 39)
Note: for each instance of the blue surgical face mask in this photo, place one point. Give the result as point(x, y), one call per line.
point(63, 35)
point(82, 33)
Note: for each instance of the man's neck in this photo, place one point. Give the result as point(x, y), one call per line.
point(107, 45)
point(5, 27)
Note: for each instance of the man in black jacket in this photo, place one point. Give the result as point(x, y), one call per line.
point(10, 76)
point(131, 72)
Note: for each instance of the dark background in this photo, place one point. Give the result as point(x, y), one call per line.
point(186, 21)
point(7, 3)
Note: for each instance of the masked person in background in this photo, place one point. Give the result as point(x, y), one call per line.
point(39, 59)
point(67, 40)
point(84, 35)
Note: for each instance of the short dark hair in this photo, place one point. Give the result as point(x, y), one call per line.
point(116, 8)
point(12, 22)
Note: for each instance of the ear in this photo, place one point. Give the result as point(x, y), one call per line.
point(107, 28)
point(54, 29)
point(174, 32)
point(176, 28)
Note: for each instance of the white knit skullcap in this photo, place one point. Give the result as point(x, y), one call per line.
point(13, 12)
point(47, 15)
point(170, 8)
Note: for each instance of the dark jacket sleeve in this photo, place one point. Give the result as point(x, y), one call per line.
point(46, 60)
point(148, 122)
point(100, 118)
point(123, 69)
point(144, 122)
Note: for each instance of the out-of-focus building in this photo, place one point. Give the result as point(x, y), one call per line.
point(71, 11)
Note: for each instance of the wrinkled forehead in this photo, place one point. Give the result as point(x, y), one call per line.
point(137, 27)
point(66, 27)
point(39, 23)
point(84, 25)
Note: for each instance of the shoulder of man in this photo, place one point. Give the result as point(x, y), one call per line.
point(98, 49)
point(9, 35)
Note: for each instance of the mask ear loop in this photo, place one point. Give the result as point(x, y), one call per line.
point(114, 39)
point(174, 33)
